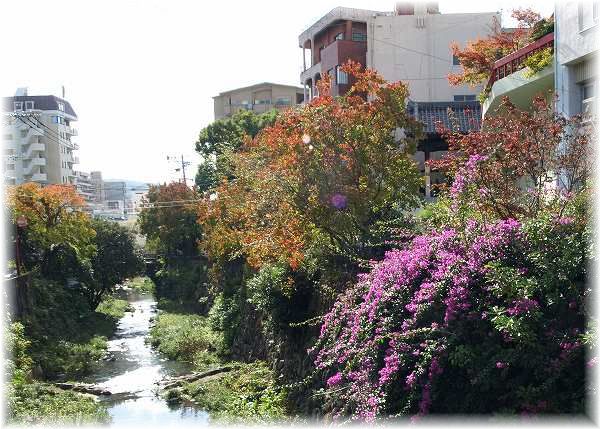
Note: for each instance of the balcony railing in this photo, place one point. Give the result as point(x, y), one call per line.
point(71, 131)
point(513, 62)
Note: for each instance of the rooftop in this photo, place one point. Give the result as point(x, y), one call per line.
point(259, 85)
point(336, 14)
point(40, 102)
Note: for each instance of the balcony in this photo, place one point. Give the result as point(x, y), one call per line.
point(39, 177)
point(73, 159)
point(509, 78)
point(33, 149)
point(71, 131)
point(310, 73)
point(33, 165)
point(340, 51)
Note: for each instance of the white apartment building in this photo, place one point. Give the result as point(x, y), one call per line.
point(576, 56)
point(37, 137)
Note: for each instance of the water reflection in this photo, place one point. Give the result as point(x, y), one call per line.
point(133, 368)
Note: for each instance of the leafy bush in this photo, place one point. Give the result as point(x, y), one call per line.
point(68, 360)
point(17, 363)
point(247, 394)
point(538, 61)
point(541, 28)
point(498, 309)
point(113, 307)
point(141, 284)
point(38, 403)
point(184, 337)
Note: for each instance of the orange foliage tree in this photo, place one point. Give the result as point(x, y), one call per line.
point(477, 57)
point(54, 219)
point(338, 169)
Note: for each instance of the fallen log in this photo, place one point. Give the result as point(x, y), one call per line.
point(83, 388)
point(189, 378)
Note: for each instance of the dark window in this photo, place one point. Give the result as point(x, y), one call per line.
point(470, 98)
point(459, 98)
point(339, 36)
point(359, 37)
point(455, 61)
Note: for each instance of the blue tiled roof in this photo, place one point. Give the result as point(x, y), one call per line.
point(461, 116)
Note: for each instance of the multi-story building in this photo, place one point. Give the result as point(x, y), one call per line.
point(410, 44)
point(258, 98)
point(576, 56)
point(85, 187)
point(96, 179)
point(37, 135)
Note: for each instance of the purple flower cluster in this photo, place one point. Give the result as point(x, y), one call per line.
point(391, 304)
point(522, 306)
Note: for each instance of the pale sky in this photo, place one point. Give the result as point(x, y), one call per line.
point(141, 74)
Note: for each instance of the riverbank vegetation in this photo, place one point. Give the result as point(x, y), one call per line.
point(63, 308)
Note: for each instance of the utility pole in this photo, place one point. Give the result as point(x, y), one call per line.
point(183, 168)
point(182, 164)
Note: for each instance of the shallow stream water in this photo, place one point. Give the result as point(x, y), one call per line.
point(132, 370)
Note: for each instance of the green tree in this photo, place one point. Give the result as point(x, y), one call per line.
point(170, 225)
point(116, 259)
point(218, 140)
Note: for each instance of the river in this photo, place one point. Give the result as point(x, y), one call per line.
point(132, 370)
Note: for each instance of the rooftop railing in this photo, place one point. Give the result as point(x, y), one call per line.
point(514, 62)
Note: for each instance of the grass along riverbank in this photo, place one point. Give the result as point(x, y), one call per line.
point(50, 344)
point(247, 393)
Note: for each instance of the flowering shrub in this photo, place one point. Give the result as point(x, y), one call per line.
point(498, 309)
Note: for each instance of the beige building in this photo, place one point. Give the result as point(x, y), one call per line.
point(257, 98)
point(410, 44)
point(37, 139)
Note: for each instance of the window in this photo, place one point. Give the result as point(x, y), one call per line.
point(8, 136)
point(283, 101)
point(18, 106)
point(61, 107)
point(342, 77)
point(10, 166)
point(359, 37)
point(587, 100)
point(587, 91)
point(265, 101)
point(587, 14)
point(339, 36)
point(464, 98)
point(23, 134)
point(58, 120)
point(455, 61)
point(29, 105)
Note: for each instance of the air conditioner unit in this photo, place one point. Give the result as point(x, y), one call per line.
point(588, 110)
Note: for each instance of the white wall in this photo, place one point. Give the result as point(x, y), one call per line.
point(427, 60)
point(576, 41)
